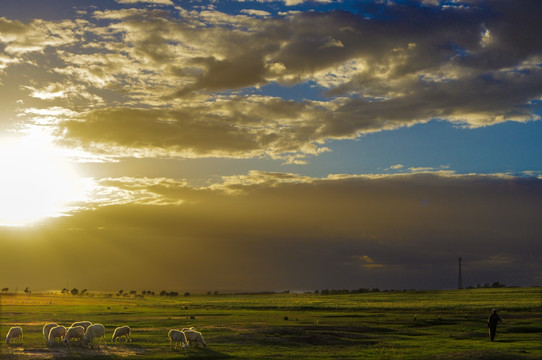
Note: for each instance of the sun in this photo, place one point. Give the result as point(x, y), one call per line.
point(36, 181)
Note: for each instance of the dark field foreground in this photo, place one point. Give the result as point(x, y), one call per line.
point(385, 325)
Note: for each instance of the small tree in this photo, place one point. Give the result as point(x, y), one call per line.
point(74, 291)
point(5, 290)
point(84, 292)
point(27, 290)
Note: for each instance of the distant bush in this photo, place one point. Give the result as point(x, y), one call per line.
point(488, 285)
point(345, 291)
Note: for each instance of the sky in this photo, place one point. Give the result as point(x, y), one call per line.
point(270, 145)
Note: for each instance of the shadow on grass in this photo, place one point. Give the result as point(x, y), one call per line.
point(302, 335)
point(523, 329)
point(469, 335)
point(480, 355)
point(207, 354)
point(20, 353)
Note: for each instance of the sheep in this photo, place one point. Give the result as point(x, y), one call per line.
point(47, 328)
point(84, 324)
point(58, 332)
point(15, 332)
point(74, 332)
point(93, 331)
point(122, 331)
point(176, 336)
point(194, 337)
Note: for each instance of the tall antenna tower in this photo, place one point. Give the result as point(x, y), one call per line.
point(460, 277)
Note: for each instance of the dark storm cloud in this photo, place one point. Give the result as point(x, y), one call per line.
point(240, 128)
point(10, 28)
point(275, 231)
point(515, 32)
point(227, 74)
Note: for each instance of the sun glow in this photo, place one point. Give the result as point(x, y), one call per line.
point(36, 181)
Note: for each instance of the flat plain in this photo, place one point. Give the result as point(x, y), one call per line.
point(447, 324)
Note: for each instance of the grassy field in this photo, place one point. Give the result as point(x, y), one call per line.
point(384, 325)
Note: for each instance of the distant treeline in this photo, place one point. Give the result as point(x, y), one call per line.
point(487, 285)
point(135, 294)
point(346, 291)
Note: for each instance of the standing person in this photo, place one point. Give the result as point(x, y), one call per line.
point(492, 322)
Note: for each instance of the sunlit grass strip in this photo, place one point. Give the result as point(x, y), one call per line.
point(398, 325)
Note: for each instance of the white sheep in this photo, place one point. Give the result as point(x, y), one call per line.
point(84, 324)
point(15, 332)
point(176, 336)
point(74, 332)
point(122, 331)
point(58, 332)
point(194, 338)
point(47, 328)
point(94, 331)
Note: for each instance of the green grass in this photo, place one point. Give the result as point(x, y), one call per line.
point(385, 325)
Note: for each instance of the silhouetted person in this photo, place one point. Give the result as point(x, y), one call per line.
point(492, 322)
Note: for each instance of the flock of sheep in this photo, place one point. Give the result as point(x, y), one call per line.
point(85, 332)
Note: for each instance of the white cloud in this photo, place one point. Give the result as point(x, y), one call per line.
point(253, 12)
point(155, 2)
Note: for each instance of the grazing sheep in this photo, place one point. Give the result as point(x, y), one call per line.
point(93, 331)
point(122, 331)
point(176, 336)
point(194, 337)
point(58, 332)
point(15, 332)
point(74, 332)
point(84, 324)
point(47, 328)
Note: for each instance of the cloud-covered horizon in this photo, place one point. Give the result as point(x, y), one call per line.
point(273, 231)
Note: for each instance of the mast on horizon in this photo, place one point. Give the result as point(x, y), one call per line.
point(460, 277)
